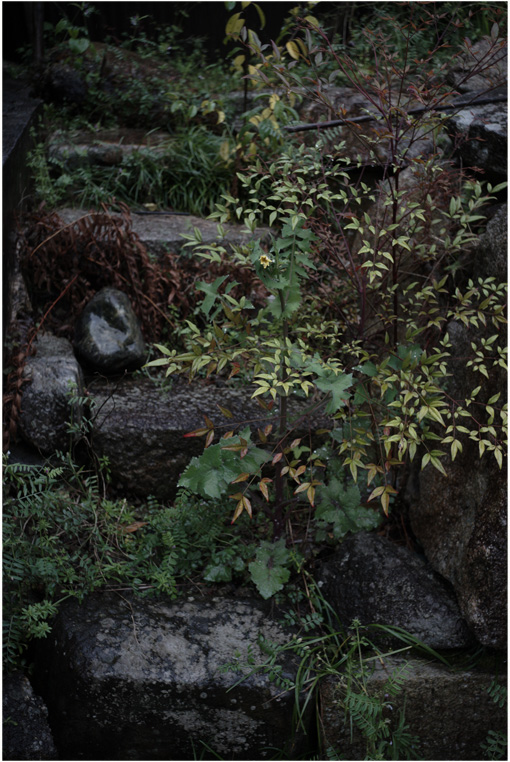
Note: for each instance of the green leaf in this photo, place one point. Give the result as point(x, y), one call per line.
point(218, 573)
point(261, 15)
point(337, 386)
point(268, 571)
point(62, 25)
point(340, 509)
point(211, 292)
point(210, 474)
point(79, 46)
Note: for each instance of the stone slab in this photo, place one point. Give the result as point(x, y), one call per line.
point(26, 733)
point(140, 427)
point(160, 231)
point(46, 409)
point(140, 679)
point(450, 712)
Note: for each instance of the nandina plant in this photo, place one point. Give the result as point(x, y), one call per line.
point(364, 283)
point(276, 360)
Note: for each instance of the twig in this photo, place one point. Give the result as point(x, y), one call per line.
point(473, 101)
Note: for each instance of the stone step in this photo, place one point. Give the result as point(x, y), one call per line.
point(163, 231)
point(449, 712)
point(130, 678)
point(139, 424)
point(140, 427)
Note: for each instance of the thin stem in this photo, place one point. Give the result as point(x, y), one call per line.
point(279, 523)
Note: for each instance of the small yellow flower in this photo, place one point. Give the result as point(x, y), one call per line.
point(265, 261)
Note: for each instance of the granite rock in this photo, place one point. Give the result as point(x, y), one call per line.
point(375, 581)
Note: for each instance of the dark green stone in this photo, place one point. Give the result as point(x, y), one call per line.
point(108, 335)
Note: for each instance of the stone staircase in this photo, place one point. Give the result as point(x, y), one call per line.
point(136, 679)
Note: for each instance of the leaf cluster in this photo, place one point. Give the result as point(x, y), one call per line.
point(63, 538)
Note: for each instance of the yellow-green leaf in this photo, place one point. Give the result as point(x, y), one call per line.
point(263, 487)
point(376, 493)
point(438, 465)
point(312, 21)
point(234, 24)
point(292, 49)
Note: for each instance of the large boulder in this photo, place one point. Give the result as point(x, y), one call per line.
point(489, 257)
point(47, 408)
point(481, 133)
point(480, 66)
point(460, 521)
point(135, 679)
point(372, 580)
point(449, 712)
point(108, 335)
point(26, 733)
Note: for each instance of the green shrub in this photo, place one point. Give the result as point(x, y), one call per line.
point(380, 367)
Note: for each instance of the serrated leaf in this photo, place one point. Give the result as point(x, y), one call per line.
point(218, 573)
point(337, 386)
point(268, 571)
point(340, 507)
point(211, 474)
point(211, 293)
